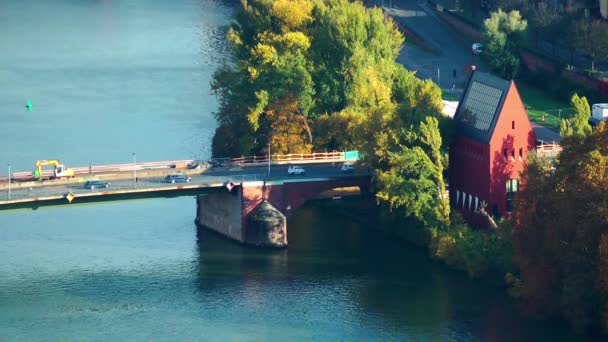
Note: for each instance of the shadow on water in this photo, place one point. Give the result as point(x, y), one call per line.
point(390, 283)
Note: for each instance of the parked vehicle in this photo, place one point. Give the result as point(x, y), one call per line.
point(347, 168)
point(195, 165)
point(599, 113)
point(96, 184)
point(177, 178)
point(295, 170)
point(216, 163)
point(477, 48)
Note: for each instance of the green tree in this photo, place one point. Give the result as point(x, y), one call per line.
point(270, 45)
point(345, 38)
point(502, 35)
point(591, 38)
point(545, 20)
point(410, 184)
point(577, 126)
point(326, 55)
point(414, 179)
point(430, 137)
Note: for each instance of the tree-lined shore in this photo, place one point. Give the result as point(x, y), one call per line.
point(314, 75)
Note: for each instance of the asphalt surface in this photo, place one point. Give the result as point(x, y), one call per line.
point(455, 54)
point(454, 57)
point(211, 177)
point(545, 134)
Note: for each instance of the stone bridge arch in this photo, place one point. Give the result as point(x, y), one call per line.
point(227, 211)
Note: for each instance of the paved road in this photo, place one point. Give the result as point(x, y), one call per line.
point(213, 177)
point(455, 50)
point(545, 134)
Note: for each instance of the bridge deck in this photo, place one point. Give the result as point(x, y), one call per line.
point(150, 183)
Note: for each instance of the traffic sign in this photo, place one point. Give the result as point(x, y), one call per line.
point(351, 155)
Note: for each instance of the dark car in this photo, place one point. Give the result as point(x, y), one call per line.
point(195, 165)
point(217, 162)
point(177, 178)
point(96, 184)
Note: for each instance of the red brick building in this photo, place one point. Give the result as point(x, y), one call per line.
point(490, 147)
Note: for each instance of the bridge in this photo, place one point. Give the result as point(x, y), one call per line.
point(230, 192)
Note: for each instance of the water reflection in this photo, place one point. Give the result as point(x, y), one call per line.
point(337, 273)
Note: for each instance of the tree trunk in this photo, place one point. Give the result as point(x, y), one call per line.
point(307, 128)
point(491, 221)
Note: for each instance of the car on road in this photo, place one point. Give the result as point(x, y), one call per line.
point(477, 48)
point(177, 178)
point(347, 168)
point(295, 170)
point(216, 162)
point(195, 165)
point(96, 184)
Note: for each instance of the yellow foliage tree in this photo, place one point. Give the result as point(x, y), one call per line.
point(293, 14)
point(289, 131)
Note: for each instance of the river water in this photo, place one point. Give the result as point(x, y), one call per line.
point(111, 78)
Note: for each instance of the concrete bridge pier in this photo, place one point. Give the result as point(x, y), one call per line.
point(235, 216)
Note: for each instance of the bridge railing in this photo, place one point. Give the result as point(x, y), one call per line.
point(293, 157)
point(81, 170)
point(240, 161)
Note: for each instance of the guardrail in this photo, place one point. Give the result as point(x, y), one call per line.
point(294, 157)
point(549, 148)
point(240, 161)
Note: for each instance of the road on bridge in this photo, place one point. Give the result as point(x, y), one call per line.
point(213, 177)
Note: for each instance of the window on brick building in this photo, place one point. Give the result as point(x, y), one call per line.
point(521, 153)
point(512, 189)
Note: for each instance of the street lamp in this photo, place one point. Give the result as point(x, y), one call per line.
point(134, 170)
point(438, 78)
point(9, 181)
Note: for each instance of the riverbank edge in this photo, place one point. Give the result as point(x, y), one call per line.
point(369, 212)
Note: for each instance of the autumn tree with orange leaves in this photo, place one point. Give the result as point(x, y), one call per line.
point(560, 238)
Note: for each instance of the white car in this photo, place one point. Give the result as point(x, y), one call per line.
point(477, 48)
point(295, 170)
